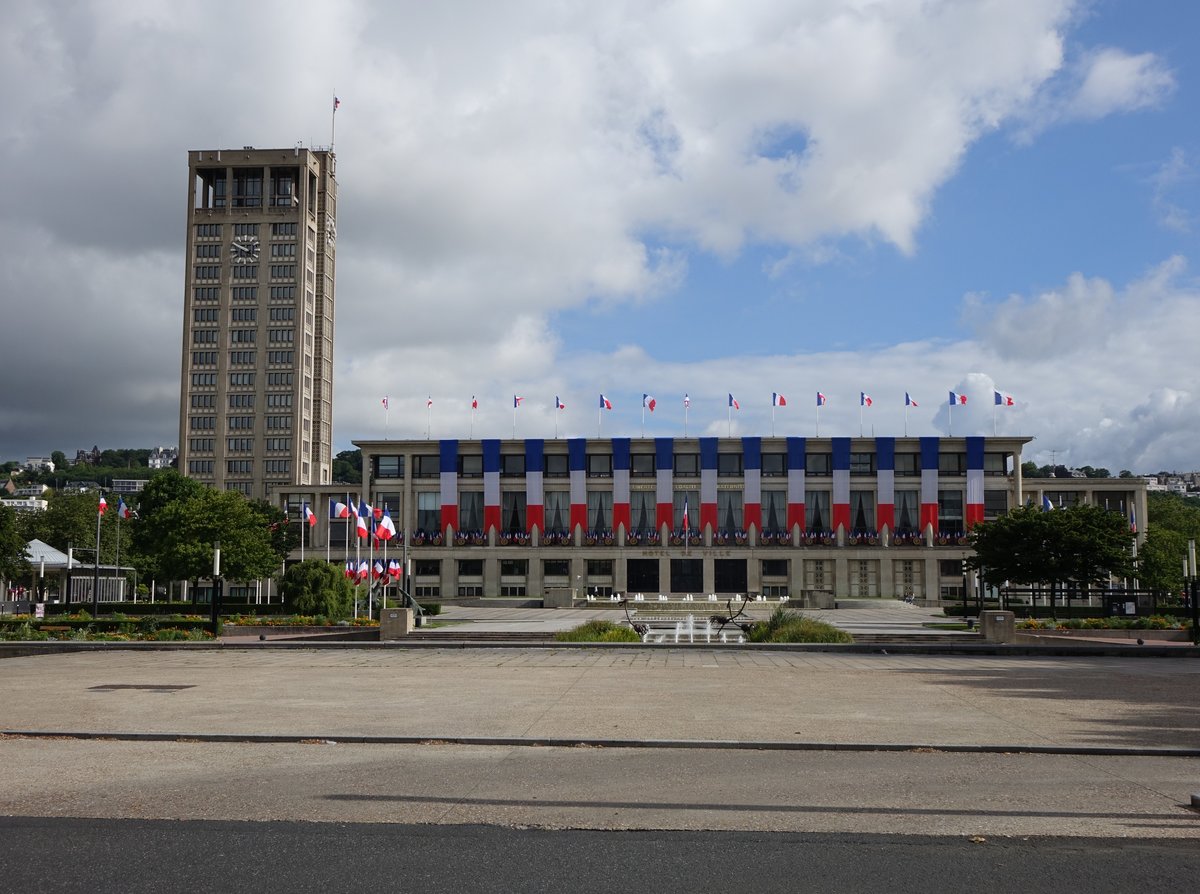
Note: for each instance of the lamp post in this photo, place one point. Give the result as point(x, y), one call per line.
point(1193, 592)
point(216, 587)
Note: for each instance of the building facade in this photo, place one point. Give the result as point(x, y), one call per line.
point(256, 397)
point(795, 516)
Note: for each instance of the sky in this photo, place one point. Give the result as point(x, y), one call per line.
point(552, 198)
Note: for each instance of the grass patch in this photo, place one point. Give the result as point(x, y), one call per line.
point(786, 626)
point(599, 631)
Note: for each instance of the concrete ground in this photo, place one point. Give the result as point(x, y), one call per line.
point(729, 716)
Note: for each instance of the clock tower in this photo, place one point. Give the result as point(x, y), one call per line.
point(256, 396)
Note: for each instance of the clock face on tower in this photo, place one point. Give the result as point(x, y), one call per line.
point(244, 250)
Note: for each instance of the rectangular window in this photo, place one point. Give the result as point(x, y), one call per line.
point(277, 466)
point(470, 510)
point(995, 464)
point(641, 465)
point(774, 567)
point(204, 336)
point(599, 510)
point(200, 445)
point(283, 250)
point(281, 335)
point(388, 466)
point(687, 465)
point(202, 423)
point(774, 510)
point(816, 511)
point(908, 511)
point(429, 511)
point(558, 511)
point(211, 250)
point(690, 499)
point(202, 379)
point(729, 465)
point(282, 314)
point(514, 567)
point(279, 400)
point(995, 504)
point(557, 466)
point(243, 315)
point(242, 336)
point(279, 422)
point(556, 568)
point(729, 509)
point(862, 463)
point(908, 464)
point(239, 466)
point(208, 271)
point(208, 231)
point(206, 293)
point(200, 466)
point(279, 444)
point(428, 568)
point(599, 465)
point(862, 511)
point(470, 567)
point(512, 512)
point(283, 229)
point(818, 465)
point(204, 400)
point(512, 465)
point(239, 445)
point(281, 358)
point(283, 293)
point(245, 271)
point(642, 511)
point(280, 378)
point(470, 466)
point(242, 358)
point(283, 271)
point(774, 465)
point(247, 190)
point(952, 463)
point(241, 422)
point(204, 358)
point(950, 512)
point(599, 568)
point(243, 293)
point(241, 401)
point(425, 466)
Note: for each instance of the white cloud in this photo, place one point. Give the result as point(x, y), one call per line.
point(541, 157)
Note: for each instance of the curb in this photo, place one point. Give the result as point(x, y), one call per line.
point(553, 742)
point(17, 649)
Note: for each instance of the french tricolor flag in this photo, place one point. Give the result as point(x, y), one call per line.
point(908, 401)
point(864, 399)
point(649, 402)
point(309, 516)
point(1003, 400)
point(338, 509)
point(956, 398)
point(558, 404)
point(605, 403)
point(517, 401)
point(778, 400)
point(821, 399)
point(733, 402)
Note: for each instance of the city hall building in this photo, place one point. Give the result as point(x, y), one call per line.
point(808, 518)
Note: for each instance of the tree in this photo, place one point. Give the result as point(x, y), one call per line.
point(347, 467)
point(70, 520)
point(148, 540)
point(59, 459)
point(14, 562)
point(1160, 559)
point(192, 528)
point(315, 587)
point(1085, 544)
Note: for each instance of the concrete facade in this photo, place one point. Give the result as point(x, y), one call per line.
point(810, 518)
point(256, 403)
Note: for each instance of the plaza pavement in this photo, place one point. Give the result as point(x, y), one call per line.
point(757, 740)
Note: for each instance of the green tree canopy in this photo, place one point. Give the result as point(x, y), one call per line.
point(1029, 546)
point(14, 563)
point(315, 587)
point(347, 467)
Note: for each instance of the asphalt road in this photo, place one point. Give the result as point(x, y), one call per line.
point(63, 856)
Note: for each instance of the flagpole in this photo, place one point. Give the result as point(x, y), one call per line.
point(357, 556)
point(818, 420)
point(557, 410)
point(906, 417)
point(471, 430)
point(643, 415)
point(119, 504)
point(328, 531)
point(370, 555)
point(993, 418)
point(772, 417)
point(686, 404)
point(303, 525)
point(514, 418)
point(96, 582)
point(333, 120)
point(860, 409)
point(729, 420)
point(950, 420)
point(428, 417)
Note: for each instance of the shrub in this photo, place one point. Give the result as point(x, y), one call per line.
point(785, 626)
point(599, 631)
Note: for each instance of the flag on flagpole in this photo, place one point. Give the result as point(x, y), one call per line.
point(864, 399)
point(386, 529)
point(385, 402)
point(685, 514)
point(349, 572)
point(605, 403)
point(309, 516)
point(733, 402)
point(687, 401)
point(336, 102)
point(956, 399)
point(378, 569)
point(558, 404)
point(338, 509)
point(363, 570)
point(393, 569)
point(517, 401)
point(649, 402)
point(778, 400)
point(908, 401)
point(122, 509)
point(428, 402)
point(1047, 505)
point(1003, 400)
point(821, 399)
point(361, 525)
point(474, 403)
point(103, 505)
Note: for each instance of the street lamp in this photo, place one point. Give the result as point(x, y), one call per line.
point(216, 587)
point(1193, 592)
